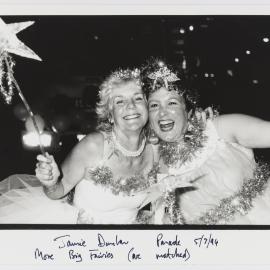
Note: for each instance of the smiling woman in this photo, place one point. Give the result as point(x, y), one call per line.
point(168, 114)
point(109, 169)
point(227, 186)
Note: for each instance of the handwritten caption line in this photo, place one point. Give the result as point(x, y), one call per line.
point(102, 249)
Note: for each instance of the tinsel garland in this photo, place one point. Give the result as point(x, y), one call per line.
point(144, 217)
point(240, 202)
point(6, 77)
point(193, 140)
point(174, 152)
point(173, 209)
point(127, 186)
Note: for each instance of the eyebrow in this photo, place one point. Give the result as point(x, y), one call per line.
point(118, 96)
point(123, 96)
point(152, 100)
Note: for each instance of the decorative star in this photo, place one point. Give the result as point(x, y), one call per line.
point(11, 44)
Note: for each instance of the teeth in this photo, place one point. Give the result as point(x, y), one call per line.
point(133, 116)
point(166, 125)
point(165, 122)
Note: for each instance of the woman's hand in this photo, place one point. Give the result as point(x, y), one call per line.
point(47, 170)
point(202, 115)
point(171, 182)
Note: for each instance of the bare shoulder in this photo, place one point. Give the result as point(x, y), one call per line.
point(229, 126)
point(92, 142)
point(233, 120)
point(88, 150)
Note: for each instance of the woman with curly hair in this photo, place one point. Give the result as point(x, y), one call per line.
point(226, 185)
point(110, 169)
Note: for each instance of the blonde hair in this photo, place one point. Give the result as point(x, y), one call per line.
point(104, 105)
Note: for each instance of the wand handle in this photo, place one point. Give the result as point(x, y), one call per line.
point(27, 107)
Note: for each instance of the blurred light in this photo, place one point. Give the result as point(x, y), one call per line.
point(191, 28)
point(255, 81)
point(54, 129)
point(182, 30)
point(266, 39)
point(184, 64)
point(230, 72)
point(204, 25)
point(179, 42)
point(160, 63)
point(80, 136)
point(60, 143)
point(236, 60)
point(206, 75)
point(247, 52)
point(212, 75)
point(198, 62)
point(31, 139)
point(178, 52)
point(96, 37)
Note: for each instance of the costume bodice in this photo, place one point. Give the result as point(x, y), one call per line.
point(219, 171)
point(103, 199)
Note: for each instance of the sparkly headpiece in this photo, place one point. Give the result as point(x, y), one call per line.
point(121, 75)
point(127, 73)
point(163, 73)
point(160, 75)
point(157, 74)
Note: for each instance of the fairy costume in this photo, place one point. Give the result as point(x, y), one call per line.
point(23, 201)
point(99, 198)
point(228, 186)
point(105, 199)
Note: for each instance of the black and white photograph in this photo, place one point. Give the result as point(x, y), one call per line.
point(135, 120)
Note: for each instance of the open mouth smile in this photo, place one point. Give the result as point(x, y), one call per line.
point(166, 125)
point(132, 116)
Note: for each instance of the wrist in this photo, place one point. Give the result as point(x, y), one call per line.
point(50, 188)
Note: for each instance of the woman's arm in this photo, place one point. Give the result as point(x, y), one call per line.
point(248, 131)
point(86, 153)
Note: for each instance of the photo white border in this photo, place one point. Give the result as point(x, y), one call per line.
point(110, 7)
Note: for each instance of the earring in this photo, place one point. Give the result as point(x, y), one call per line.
point(152, 137)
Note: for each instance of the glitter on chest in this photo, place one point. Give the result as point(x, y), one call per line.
point(127, 186)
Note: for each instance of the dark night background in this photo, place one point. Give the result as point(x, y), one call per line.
point(78, 51)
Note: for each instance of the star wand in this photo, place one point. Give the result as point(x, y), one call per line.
point(9, 43)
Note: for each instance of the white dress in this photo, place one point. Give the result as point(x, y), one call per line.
point(23, 201)
point(218, 171)
point(101, 203)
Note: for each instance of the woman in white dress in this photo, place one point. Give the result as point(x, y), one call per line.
point(110, 169)
point(226, 184)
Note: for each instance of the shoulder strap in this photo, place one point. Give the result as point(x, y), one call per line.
point(108, 147)
point(155, 152)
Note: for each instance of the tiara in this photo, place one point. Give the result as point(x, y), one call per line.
point(163, 73)
point(121, 74)
point(126, 73)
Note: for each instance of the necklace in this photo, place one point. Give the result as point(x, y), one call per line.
point(128, 153)
point(180, 152)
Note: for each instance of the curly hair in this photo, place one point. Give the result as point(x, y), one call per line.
point(104, 105)
point(156, 74)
